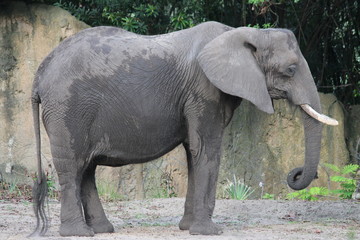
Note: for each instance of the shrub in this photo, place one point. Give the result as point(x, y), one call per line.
point(311, 194)
point(235, 189)
point(347, 184)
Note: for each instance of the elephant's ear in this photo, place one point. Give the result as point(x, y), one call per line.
point(229, 63)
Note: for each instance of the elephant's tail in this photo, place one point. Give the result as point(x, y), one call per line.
point(39, 192)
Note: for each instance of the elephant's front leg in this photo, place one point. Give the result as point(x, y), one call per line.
point(94, 213)
point(188, 217)
point(205, 151)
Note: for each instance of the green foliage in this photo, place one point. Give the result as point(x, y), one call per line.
point(163, 193)
point(235, 189)
point(181, 21)
point(347, 184)
point(51, 186)
point(88, 15)
point(311, 194)
point(333, 167)
point(258, 2)
point(108, 191)
point(15, 192)
point(167, 189)
point(52, 191)
point(351, 235)
point(133, 25)
point(350, 169)
point(143, 17)
point(265, 25)
point(14, 189)
point(268, 196)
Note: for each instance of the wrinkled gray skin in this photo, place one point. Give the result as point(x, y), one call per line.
point(110, 97)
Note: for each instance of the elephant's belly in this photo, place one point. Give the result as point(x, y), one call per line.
point(138, 145)
point(117, 158)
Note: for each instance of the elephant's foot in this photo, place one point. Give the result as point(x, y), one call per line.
point(205, 228)
point(76, 229)
point(102, 227)
point(186, 222)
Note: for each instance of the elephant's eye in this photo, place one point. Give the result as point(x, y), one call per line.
point(290, 71)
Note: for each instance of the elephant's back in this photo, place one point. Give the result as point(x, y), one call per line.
point(105, 51)
point(115, 59)
point(108, 68)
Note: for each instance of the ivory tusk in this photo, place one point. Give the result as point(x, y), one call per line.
point(320, 117)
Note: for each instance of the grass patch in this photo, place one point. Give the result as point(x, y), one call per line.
point(108, 191)
point(351, 235)
point(15, 192)
point(19, 192)
point(167, 189)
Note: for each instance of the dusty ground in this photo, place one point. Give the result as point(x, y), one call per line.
point(158, 219)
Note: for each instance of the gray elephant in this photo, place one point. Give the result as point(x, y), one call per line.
point(110, 97)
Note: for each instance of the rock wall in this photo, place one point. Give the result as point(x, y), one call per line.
point(353, 133)
point(256, 148)
point(264, 148)
point(27, 34)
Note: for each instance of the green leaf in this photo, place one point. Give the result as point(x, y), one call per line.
point(350, 169)
point(351, 186)
point(151, 10)
point(333, 167)
point(319, 191)
point(256, 1)
point(340, 179)
point(268, 196)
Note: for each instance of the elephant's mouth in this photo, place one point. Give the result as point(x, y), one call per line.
point(277, 94)
point(318, 116)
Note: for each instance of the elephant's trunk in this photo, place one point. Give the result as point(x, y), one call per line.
point(300, 178)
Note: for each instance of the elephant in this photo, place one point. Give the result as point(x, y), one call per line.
point(111, 97)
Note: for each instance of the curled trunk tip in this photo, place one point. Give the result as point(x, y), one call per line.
point(296, 180)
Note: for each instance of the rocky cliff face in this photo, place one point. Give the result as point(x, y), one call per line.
point(257, 147)
point(353, 133)
point(27, 34)
point(264, 148)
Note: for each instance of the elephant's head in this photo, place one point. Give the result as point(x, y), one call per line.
point(260, 65)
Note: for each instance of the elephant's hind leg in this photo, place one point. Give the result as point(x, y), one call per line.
point(94, 213)
point(72, 219)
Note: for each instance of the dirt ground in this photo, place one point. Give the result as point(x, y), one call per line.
point(158, 219)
